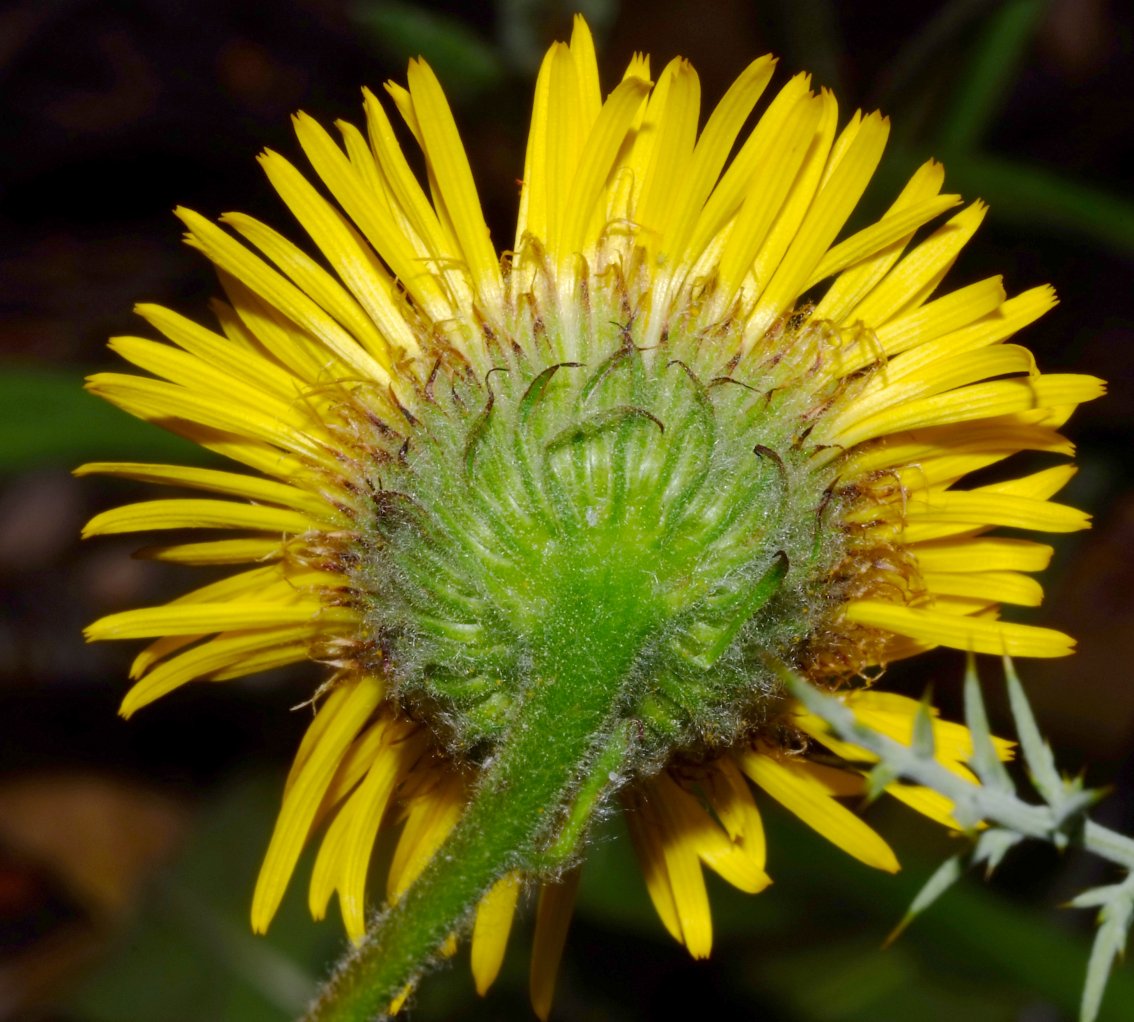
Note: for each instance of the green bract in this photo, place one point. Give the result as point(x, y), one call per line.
point(583, 484)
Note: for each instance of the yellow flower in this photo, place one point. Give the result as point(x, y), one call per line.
point(757, 432)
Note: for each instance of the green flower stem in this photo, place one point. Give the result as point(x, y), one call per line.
point(546, 779)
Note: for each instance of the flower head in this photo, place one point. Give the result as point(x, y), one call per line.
point(571, 506)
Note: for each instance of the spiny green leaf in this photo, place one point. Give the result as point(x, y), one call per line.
point(991, 847)
point(1077, 802)
point(1037, 753)
point(878, 780)
point(1110, 943)
point(985, 761)
point(1096, 897)
point(924, 744)
point(947, 874)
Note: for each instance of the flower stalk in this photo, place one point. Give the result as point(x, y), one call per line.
point(560, 761)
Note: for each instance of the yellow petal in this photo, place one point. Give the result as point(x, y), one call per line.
point(197, 514)
point(680, 853)
point(535, 192)
point(807, 793)
point(201, 377)
point(432, 815)
point(980, 635)
point(926, 801)
point(303, 797)
point(786, 230)
point(216, 551)
point(606, 138)
point(711, 152)
point(280, 293)
point(231, 484)
point(917, 275)
point(409, 229)
point(646, 836)
point(998, 586)
point(735, 186)
point(172, 619)
point(553, 917)
point(158, 401)
point(896, 225)
point(791, 135)
point(854, 283)
point(984, 554)
point(983, 508)
point(852, 164)
point(730, 796)
point(490, 931)
point(238, 361)
point(714, 847)
point(368, 806)
point(979, 401)
point(888, 390)
point(446, 155)
point(229, 652)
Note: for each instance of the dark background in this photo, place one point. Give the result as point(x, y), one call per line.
point(128, 851)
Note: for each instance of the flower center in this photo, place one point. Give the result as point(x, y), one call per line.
point(663, 492)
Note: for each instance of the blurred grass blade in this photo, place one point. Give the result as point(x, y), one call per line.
point(46, 417)
point(466, 63)
point(984, 82)
point(1033, 197)
point(807, 35)
point(277, 978)
point(924, 50)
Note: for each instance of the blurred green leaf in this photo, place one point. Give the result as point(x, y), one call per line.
point(927, 49)
point(46, 417)
point(1034, 197)
point(878, 780)
point(808, 37)
point(189, 953)
point(983, 83)
point(465, 63)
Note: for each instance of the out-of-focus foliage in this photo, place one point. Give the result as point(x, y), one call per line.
point(46, 418)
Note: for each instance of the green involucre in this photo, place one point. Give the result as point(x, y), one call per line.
point(576, 481)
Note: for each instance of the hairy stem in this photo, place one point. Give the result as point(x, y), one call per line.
point(566, 726)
